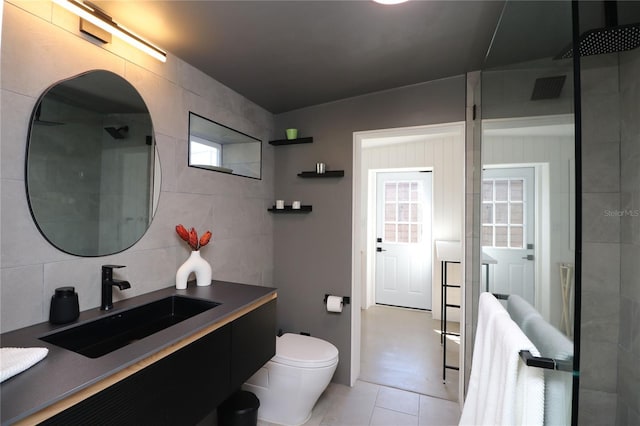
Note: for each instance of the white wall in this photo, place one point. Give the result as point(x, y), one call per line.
point(42, 45)
point(440, 148)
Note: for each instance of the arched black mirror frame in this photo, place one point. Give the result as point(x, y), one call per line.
point(115, 132)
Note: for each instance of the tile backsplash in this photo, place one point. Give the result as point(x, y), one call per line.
point(41, 45)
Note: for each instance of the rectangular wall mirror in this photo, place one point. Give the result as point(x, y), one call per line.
point(213, 146)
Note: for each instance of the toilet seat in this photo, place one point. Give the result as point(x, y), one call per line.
point(301, 351)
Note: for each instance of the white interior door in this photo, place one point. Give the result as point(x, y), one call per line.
point(508, 229)
point(403, 223)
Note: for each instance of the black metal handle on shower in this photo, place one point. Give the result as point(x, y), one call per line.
point(379, 249)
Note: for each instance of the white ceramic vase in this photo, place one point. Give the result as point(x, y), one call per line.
point(196, 264)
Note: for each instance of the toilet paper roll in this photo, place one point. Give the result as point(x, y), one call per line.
point(334, 304)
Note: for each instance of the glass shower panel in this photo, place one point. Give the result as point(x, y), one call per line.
point(528, 159)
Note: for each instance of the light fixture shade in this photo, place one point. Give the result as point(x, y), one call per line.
point(104, 22)
point(390, 2)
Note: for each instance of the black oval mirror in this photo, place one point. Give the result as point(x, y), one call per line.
point(92, 173)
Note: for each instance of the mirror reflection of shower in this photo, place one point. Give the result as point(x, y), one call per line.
point(117, 132)
point(93, 175)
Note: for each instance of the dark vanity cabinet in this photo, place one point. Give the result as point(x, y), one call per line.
point(187, 385)
point(253, 342)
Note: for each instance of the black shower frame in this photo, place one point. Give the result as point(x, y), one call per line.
point(577, 102)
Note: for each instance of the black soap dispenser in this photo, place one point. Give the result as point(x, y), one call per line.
point(64, 306)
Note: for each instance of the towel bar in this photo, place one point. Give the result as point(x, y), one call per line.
point(539, 361)
point(546, 363)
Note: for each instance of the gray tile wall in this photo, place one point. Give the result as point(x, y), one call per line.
point(610, 352)
point(601, 240)
point(41, 45)
point(629, 339)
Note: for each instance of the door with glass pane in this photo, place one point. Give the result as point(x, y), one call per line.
point(403, 258)
point(508, 229)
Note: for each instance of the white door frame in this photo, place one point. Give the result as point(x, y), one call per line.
point(358, 257)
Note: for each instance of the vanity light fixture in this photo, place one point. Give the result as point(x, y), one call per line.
point(390, 2)
point(104, 22)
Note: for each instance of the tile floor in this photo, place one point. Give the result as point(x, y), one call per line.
point(369, 404)
point(401, 349)
point(401, 376)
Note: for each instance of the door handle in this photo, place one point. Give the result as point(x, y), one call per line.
point(379, 249)
point(528, 257)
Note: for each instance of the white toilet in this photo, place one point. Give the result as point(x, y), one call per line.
point(289, 385)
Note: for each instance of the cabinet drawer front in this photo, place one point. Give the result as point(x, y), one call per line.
point(253, 342)
point(179, 389)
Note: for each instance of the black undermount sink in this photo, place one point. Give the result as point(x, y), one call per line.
point(97, 338)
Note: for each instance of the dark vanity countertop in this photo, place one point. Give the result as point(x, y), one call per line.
point(64, 373)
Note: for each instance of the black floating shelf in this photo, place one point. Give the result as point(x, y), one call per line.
point(289, 209)
point(327, 174)
point(291, 141)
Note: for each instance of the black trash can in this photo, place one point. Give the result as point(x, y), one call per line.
point(240, 409)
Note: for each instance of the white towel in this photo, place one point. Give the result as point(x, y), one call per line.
point(16, 360)
point(502, 389)
point(552, 344)
point(558, 384)
point(521, 311)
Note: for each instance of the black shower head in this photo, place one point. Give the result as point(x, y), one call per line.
point(611, 38)
point(607, 40)
point(117, 133)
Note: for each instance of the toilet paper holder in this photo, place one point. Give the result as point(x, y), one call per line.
point(346, 300)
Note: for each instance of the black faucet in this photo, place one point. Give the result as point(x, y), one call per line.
point(107, 286)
